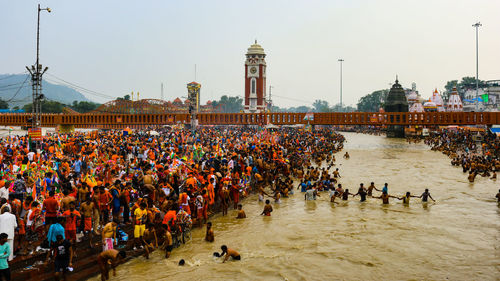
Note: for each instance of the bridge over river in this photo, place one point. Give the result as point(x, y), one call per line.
point(119, 121)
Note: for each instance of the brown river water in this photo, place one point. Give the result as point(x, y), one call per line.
point(456, 238)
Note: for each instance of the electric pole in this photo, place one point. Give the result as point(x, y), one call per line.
point(270, 101)
point(477, 25)
point(36, 78)
point(341, 60)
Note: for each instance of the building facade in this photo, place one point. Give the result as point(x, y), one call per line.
point(255, 79)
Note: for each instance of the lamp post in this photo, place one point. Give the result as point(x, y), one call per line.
point(477, 25)
point(36, 78)
point(341, 60)
point(270, 101)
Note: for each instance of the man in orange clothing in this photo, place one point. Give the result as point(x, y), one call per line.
point(50, 205)
point(70, 227)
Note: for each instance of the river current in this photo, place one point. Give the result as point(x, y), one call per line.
point(456, 238)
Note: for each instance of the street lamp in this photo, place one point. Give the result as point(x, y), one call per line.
point(477, 25)
point(341, 60)
point(36, 77)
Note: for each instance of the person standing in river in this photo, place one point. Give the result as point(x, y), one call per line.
point(361, 192)
point(371, 188)
point(385, 197)
point(426, 195)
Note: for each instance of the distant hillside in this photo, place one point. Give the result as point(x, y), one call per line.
point(10, 84)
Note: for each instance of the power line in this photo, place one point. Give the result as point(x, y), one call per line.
point(13, 88)
point(79, 89)
point(17, 92)
point(85, 89)
point(12, 75)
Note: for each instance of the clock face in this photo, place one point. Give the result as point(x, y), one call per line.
point(253, 70)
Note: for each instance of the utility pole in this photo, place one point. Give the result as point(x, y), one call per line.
point(161, 91)
point(270, 101)
point(341, 60)
point(477, 25)
point(36, 78)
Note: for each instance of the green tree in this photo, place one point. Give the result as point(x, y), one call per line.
point(450, 84)
point(321, 106)
point(373, 101)
point(47, 107)
point(3, 104)
point(299, 109)
point(125, 97)
point(84, 106)
point(465, 84)
point(338, 108)
point(229, 104)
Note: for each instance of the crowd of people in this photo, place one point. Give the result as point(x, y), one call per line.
point(71, 187)
point(476, 152)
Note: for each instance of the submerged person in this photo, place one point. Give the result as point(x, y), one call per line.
point(385, 197)
point(426, 195)
point(371, 188)
point(241, 213)
point(267, 209)
point(310, 194)
point(228, 252)
point(362, 193)
point(345, 194)
point(109, 257)
point(406, 198)
point(209, 236)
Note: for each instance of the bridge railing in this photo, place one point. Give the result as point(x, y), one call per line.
point(326, 118)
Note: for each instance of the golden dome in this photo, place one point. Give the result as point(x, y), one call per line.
point(255, 49)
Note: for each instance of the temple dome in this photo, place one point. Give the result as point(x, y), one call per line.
point(255, 49)
point(396, 99)
point(454, 102)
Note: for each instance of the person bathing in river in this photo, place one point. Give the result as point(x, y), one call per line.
point(498, 196)
point(385, 188)
point(267, 209)
point(345, 194)
point(406, 198)
point(346, 155)
point(336, 173)
point(112, 257)
point(426, 195)
point(361, 192)
point(333, 194)
point(385, 197)
point(168, 242)
point(241, 213)
point(228, 252)
point(371, 188)
point(209, 236)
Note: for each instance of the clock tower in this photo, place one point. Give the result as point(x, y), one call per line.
point(255, 79)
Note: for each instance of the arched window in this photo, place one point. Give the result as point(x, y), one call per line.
point(253, 86)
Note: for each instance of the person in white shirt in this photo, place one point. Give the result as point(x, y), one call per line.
point(8, 224)
point(4, 192)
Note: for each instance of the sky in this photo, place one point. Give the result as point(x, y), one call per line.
point(114, 47)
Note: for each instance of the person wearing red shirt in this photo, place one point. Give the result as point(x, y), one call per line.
point(70, 227)
point(50, 205)
point(170, 218)
point(104, 201)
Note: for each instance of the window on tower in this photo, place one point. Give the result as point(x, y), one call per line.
point(253, 86)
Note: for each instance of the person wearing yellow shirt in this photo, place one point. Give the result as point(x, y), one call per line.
point(140, 218)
